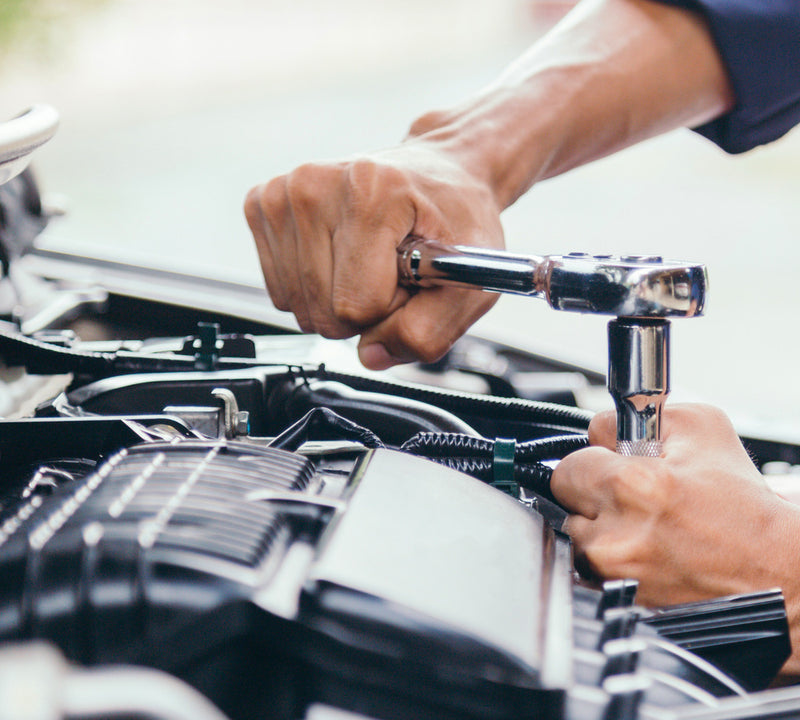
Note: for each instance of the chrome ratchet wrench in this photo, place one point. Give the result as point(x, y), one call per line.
point(643, 292)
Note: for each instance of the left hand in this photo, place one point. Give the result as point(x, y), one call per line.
point(697, 522)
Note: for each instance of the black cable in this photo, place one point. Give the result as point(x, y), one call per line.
point(560, 418)
point(322, 423)
point(552, 448)
point(45, 358)
point(533, 476)
point(476, 457)
point(435, 445)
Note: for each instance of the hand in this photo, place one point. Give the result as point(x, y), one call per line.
point(696, 523)
point(327, 236)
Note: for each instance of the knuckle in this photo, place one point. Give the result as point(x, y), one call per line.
point(304, 322)
point(601, 426)
point(324, 317)
point(362, 172)
point(278, 297)
point(697, 415)
point(356, 307)
point(272, 198)
point(596, 557)
point(429, 121)
point(596, 560)
point(610, 559)
point(303, 188)
point(369, 182)
point(331, 328)
point(431, 353)
point(286, 296)
point(424, 343)
point(295, 305)
point(652, 489)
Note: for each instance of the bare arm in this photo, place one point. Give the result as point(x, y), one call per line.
point(613, 73)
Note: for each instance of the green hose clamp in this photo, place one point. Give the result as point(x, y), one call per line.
point(503, 466)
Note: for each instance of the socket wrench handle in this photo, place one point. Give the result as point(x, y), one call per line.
point(638, 381)
point(628, 286)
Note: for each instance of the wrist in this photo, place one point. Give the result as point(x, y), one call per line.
point(498, 137)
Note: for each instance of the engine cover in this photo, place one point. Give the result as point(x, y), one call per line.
point(374, 581)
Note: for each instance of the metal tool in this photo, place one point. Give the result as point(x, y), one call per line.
point(642, 291)
point(638, 380)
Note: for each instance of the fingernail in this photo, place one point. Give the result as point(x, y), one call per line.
point(376, 357)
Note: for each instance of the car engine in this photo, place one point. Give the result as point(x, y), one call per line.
point(202, 516)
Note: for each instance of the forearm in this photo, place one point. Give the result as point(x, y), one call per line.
point(613, 73)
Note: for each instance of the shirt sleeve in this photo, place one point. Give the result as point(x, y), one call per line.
point(759, 42)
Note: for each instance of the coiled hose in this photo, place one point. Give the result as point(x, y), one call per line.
point(478, 456)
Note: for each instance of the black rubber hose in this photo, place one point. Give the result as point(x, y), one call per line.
point(324, 424)
point(435, 445)
point(533, 476)
point(553, 448)
point(448, 445)
point(560, 418)
point(18, 350)
point(475, 457)
point(393, 418)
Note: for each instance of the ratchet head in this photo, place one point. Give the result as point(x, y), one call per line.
point(628, 286)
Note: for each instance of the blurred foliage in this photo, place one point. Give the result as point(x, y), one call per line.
point(35, 25)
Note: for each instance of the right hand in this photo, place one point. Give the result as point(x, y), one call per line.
point(327, 237)
point(695, 523)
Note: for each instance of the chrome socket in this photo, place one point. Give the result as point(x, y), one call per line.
point(638, 381)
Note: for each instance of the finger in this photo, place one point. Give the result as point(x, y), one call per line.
point(686, 420)
point(692, 419)
point(603, 430)
point(313, 248)
point(314, 198)
point(257, 223)
point(579, 480)
point(365, 281)
point(578, 528)
point(378, 214)
point(581, 530)
point(427, 325)
point(270, 218)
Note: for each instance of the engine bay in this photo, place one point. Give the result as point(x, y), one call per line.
point(187, 488)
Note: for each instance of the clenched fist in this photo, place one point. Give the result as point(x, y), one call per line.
point(327, 236)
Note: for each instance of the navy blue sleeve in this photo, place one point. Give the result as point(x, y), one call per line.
point(759, 42)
